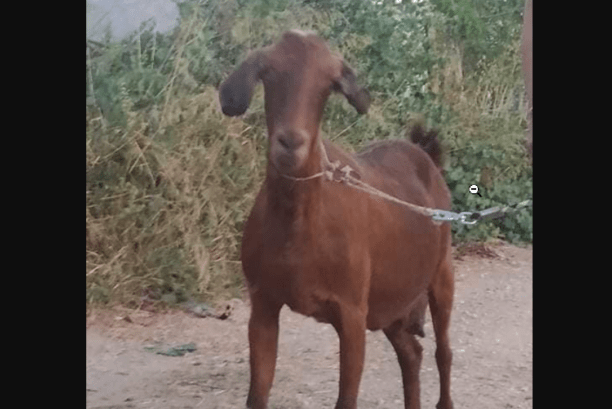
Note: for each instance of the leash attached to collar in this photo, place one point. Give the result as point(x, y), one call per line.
point(437, 215)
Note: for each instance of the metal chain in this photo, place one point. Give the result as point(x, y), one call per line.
point(473, 217)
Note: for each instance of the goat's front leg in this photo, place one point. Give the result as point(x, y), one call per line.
point(263, 343)
point(350, 323)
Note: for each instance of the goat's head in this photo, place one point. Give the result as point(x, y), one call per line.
point(298, 74)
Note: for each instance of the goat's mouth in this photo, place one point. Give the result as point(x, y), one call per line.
point(288, 161)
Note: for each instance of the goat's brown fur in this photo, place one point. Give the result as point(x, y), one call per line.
point(332, 252)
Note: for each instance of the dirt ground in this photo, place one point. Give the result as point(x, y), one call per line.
point(491, 338)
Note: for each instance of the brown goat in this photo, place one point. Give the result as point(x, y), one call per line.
point(330, 251)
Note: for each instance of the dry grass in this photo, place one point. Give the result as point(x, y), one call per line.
point(165, 211)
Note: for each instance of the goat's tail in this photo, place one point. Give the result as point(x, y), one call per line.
point(428, 141)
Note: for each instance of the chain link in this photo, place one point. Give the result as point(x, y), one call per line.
point(473, 217)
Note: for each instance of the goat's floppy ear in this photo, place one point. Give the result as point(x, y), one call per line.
point(356, 96)
point(236, 91)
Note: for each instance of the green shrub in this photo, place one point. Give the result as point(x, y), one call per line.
point(486, 141)
point(484, 166)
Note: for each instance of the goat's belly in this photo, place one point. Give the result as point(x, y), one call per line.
point(312, 303)
point(392, 299)
point(382, 315)
point(323, 300)
point(291, 287)
point(317, 312)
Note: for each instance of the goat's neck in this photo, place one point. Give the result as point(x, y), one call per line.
point(296, 199)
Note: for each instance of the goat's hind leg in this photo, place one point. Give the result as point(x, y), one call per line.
point(441, 293)
point(263, 343)
point(409, 354)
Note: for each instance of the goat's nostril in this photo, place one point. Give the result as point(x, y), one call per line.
point(284, 142)
point(290, 140)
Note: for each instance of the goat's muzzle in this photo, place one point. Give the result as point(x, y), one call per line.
point(289, 150)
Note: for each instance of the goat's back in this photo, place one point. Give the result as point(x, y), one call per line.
point(410, 171)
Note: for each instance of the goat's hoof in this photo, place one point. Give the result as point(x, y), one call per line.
point(444, 405)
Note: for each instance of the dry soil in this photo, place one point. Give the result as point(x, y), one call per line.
point(491, 337)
